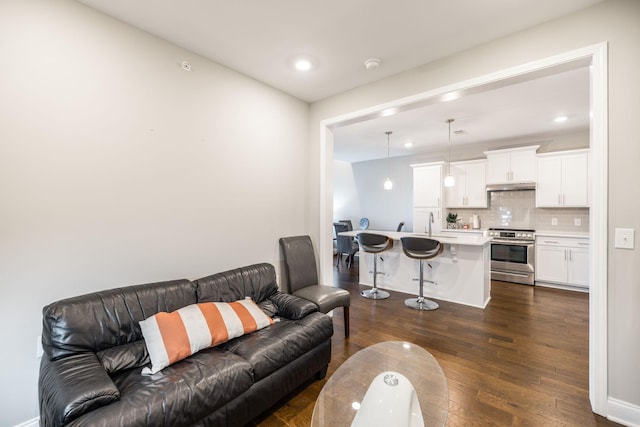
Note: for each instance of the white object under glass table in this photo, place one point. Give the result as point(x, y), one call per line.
point(391, 383)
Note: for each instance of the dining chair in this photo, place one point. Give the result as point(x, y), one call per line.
point(344, 244)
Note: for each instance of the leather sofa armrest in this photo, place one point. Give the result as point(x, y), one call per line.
point(71, 387)
point(292, 307)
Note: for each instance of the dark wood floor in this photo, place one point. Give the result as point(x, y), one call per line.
point(522, 361)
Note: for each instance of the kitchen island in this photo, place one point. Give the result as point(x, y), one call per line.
point(462, 271)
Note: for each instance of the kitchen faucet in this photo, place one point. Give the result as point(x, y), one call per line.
point(430, 221)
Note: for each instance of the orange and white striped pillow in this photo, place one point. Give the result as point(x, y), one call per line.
point(171, 337)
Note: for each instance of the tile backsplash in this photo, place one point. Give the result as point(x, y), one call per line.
point(517, 209)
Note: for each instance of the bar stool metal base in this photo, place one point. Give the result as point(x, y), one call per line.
point(375, 293)
point(421, 304)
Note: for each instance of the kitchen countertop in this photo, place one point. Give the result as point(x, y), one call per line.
point(546, 233)
point(472, 239)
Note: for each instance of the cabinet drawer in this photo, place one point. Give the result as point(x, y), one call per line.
point(569, 242)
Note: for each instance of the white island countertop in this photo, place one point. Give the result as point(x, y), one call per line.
point(460, 239)
point(462, 271)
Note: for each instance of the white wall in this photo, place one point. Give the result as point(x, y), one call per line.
point(613, 21)
point(117, 167)
point(346, 204)
point(385, 208)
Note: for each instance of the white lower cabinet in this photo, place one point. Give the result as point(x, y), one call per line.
point(563, 261)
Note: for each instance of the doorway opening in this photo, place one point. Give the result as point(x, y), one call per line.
point(596, 58)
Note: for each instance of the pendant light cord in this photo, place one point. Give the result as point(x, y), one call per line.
point(388, 159)
point(449, 145)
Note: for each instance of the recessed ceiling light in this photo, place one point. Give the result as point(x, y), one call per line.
point(451, 96)
point(560, 119)
point(408, 144)
point(303, 64)
point(388, 112)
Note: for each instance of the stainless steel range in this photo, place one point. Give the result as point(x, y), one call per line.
point(512, 255)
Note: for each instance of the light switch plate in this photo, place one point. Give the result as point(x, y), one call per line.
point(625, 238)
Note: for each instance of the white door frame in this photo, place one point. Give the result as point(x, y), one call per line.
point(596, 57)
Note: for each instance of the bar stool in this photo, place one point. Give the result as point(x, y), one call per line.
point(422, 249)
point(374, 244)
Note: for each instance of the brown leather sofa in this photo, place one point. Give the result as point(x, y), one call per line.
point(90, 373)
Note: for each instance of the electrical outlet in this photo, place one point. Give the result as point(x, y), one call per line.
point(39, 351)
point(577, 222)
point(554, 221)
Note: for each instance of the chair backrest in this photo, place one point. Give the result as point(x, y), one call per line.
point(400, 226)
point(374, 243)
point(343, 243)
point(420, 247)
point(299, 262)
point(348, 222)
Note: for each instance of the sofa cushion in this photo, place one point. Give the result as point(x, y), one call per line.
point(180, 395)
point(97, 321)
point(273, 348)
point(257, 281)
point(171, 337)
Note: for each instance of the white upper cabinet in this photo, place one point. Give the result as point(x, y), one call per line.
point(427, 185)
point(469, 190)
point(563, 179)
point(513, 165)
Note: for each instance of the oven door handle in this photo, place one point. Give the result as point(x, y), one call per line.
point(513, 242)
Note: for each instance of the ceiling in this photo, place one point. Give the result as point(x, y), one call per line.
point(260, 38)
point(507, 113)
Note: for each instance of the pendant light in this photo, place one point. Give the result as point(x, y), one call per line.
point(449, 180)
point(388, 185)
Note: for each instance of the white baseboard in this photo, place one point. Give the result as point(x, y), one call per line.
point(623, 413)
point(35, 422)
point(563, 287)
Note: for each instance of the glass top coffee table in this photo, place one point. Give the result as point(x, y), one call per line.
point(385, 367)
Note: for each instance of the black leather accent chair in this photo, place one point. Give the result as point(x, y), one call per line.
point(422, 249)
point(374, 244)
point(302, 276)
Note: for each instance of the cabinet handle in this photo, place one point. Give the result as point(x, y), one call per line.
point(563, 202)
point(569, 250)
point(550, 241)
point(584, 244)
point(559, 200)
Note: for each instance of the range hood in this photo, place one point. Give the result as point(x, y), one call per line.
point(521, 186)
